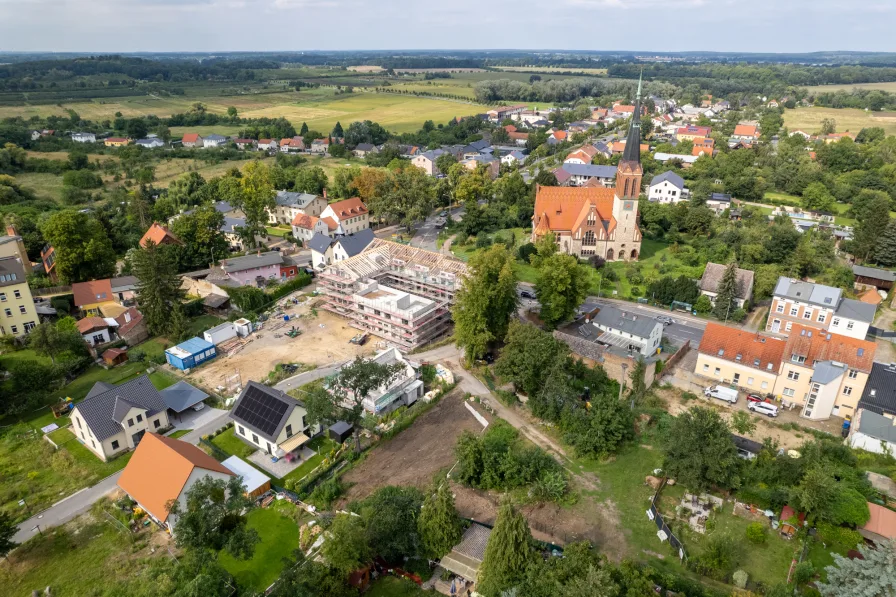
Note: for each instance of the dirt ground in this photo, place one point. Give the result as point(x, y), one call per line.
point(416, 454)
point(324, 340)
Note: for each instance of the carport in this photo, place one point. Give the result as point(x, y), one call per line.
point(182, 396)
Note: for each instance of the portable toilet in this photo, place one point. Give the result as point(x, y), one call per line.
point(190, 353)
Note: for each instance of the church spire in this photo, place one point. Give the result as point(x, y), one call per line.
point(632, 152)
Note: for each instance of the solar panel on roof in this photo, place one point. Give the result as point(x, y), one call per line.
point(260, 410)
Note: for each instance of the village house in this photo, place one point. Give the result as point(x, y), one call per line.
point(703, 146)
point(712, 277)
point(583, 155)
point(740, 357)
point(252, 270)
point(212, 141)
point(18, 315)
point(879, 395)
point(113, 419)
point(618, 147)
point(362, 150)
point(230, 230)
point(84, 137)
point(519, 139)
point(691, 132)
point(873, 432)
point(150, 143)
point(305, 227)
point(96, 330)
point(267, 145)
point(580, 175)
point(350, 214)
point(746, 132)
point(160, 235)
point(818, 306)
point(426, 161)
point(635, 334)
point(504, 112)
point(192, 140)
point(162, 471)
point(824, 374)
point(685, 160)
point(491, 164)
point(865, 277)
point(514, 159)
point(270, 420)
point(328, 249)
point(116, 141)
point(405, 389)
point(667, 187)
point(244, 143)
point(415, 290)
point(131, 327)
point(323, 145)
point(719, 202)
point(290, 204)
point(97, 297)
point(293, 145)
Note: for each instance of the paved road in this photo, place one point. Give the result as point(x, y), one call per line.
point(686, 327)
point(301, 379)
point(426, 235)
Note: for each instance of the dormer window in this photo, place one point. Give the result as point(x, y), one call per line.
point(738, 357)
point(755, 362)
point(721, 352)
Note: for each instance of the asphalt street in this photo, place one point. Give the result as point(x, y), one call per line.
point(426, 235)
point(684, 327)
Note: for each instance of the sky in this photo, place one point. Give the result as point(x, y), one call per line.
point(294, 25)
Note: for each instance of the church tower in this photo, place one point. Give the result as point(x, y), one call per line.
point(630, 172)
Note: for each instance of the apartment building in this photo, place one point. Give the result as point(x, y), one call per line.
point(818, 306)
point(400, 293)
point(17, 312)
point(746, 359)
point(824, 373)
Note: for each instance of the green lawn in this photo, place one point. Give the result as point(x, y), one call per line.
point(154, 347)
point(306, 467)
point(792, 200)
point(392, 586)
point(278, 231)
point(230, 443)
point(279, 538)
point(162, 379)
point(32, 470)
point(198, 325)
point(90, 561)
point(179, 433)
point(622, 481)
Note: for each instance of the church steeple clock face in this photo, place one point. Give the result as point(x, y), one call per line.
point(628, 205)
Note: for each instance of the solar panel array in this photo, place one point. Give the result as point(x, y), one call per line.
point(261, 410)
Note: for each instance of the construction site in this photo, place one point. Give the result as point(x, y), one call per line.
point(397, 292)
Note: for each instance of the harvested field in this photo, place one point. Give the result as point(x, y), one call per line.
point(324, 340)
point(415, 455)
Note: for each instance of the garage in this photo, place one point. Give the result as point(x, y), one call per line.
point(255, 482)
point(182, 396)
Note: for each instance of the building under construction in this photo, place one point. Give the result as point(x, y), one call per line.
point(397, 292)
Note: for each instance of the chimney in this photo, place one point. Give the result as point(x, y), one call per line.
point(325, 193)
point(11, 230)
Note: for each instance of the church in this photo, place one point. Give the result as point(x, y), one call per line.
point(589, 221)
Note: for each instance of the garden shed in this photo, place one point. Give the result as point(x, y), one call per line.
point(254, 480)
point(115, 356)
point(190, 353)
point(340, 431)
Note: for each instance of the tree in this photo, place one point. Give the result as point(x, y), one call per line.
point(598, 432)
point(136, 128)
point(83, 249)
point(726, 293)
point(354, 383)
point(817, 197)
point(529, 356)
point(255, 198)
point(365, 132)
point(508, 553)
point(828, 126)
point(346, 548)
point(390, 516)
point(885, 249)
point(343, 179)
point(366, 183)
point(8, 530)
point(337, 133)
point(743, 423)
point(309, 578)
point(699, 451)
point(198, 574)
point(703, 305)
point(214, 517)
point(158, 287)
point(311, 180)
point(872, 220)
point(561, 287)
point(486, 301)
point(50, 341)
point(438, 525)
point(232, 112)
point(29, 381)
point(405, 196)
point(445, 161)
point(200, 233)
point(304, 129)
point(872, 575)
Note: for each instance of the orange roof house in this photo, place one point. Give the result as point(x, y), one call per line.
point(559, 135)
point(349, 208)
point(89, 324)
point(745, 131)
point(619, 147)
point(160, 235)
point(703, 146)
point(745, 348)
point(510, 128)
point(585, 154)
point(566, 209)
point(881, 526)
point(95, 292)
point(163, 469)
point(872, 297)
point(818, 345)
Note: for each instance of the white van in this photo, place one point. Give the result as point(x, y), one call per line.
point(764, 408)
point(722, 393)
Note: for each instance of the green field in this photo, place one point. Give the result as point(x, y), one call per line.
point(279, 538)
point(44, 185)
point(847, 119)
point(886, 86)
point(554, 69)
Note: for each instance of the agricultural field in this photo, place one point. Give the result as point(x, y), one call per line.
point(885, 86)
point(848, 119)
point(554, 69)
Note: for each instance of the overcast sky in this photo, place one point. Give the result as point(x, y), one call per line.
point(287, 25)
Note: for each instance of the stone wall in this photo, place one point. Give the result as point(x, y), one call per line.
point(612, 363)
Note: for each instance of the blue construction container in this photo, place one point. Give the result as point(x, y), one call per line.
point(190, 353)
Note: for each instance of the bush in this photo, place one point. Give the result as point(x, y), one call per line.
point(718, 559)
point(756, 533)
point(803, 573)
point(842, 536)
point(740, 579)
point(738, 316)
point(703, 305)
point(326, 493)
point(525, 251)
point(636, 292)
point(483, 241)
point(136, 355)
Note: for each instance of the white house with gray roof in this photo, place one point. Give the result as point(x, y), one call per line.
point(873, 432)
point(214, 140)
point(712, 277)
point(112, 419)
point(327, 250)
point(639, 334)
point(667, 187)
point(269, 419)
point(289, 204)
point(818, 306)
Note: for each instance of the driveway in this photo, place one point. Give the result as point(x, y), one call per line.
point(190, 419)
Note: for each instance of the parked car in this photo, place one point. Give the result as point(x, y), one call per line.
point(763, 408)
point(198, 406)
point(665, 320)
point(754, 398)
point(722, 393)
point(527, 295)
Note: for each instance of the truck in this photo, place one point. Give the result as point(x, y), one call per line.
point(722, 393)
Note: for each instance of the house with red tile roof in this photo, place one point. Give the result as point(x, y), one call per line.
point(703, 146)
point(746, 132)
point(160, 235)
point(583, 155)
point(304, 227)
point(734, 356)
point(350, 214)
point(192, 140)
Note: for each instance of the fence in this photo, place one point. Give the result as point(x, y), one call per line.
point(679, 354)
point(654, 514)
point(879, 333)
point(52, 290)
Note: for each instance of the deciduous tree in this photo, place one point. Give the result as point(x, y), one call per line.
point(8, 530)
point(346, 549)
point(529, 355)
point(485, 302)
point(405, 196)
point(561, 287)
point(354, 383)
point(255, 198)
point(390, 516)
point(699, 451)
point(83, 249)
